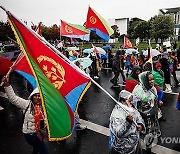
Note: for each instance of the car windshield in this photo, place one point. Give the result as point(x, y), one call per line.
point(10, 48)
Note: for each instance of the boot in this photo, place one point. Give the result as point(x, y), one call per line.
point(168, 88)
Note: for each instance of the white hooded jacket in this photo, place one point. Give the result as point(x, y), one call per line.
point(29, 123)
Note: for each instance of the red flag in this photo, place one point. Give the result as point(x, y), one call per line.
point(39, 29)
point(95, 50)
point(127, 43)
point(5, 65)
point(98, 24)
point(72, 29)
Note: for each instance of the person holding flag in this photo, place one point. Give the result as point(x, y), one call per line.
point(124, 134)
point(34, 127)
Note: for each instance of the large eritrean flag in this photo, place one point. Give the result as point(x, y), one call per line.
point(98, 24)
point(58, 82)
point(74, 31)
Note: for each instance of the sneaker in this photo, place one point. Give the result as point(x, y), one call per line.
point(177, 85)
point(96, 77)
point(1, 108)
point(116, 85)
point(80, 127)
point(168, 90)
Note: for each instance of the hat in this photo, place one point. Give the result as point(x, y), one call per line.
point(158, 64)
point(125, 94)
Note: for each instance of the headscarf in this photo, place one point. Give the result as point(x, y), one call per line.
point(144, 79)
point(135, 68)
point(156, 65)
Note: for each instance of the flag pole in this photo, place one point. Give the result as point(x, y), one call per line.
point(150, 48)
point(60, 32)
point(67, 60)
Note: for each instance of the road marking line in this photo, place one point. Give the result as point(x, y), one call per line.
point(105, 131)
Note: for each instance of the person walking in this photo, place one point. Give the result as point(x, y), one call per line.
point(132, 79)
point(165, 69)
point(174, 67)
point(148, 105)
point(124, 134)
point(34, 126)
point(116, 68)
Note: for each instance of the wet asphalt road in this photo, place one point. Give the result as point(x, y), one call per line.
point(95, 107)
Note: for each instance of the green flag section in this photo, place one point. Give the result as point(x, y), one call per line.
point(58, 82)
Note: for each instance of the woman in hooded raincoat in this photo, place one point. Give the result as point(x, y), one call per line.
point(34, 127)
point(148, 104)
point(124, 134)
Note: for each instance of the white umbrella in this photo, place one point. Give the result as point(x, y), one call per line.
point(73, 48)
point(154, 52)
point(84, 62)
point(101, 50)
point(87, 51)
point(130, 51)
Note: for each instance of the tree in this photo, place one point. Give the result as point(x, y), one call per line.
point(6, 31)
point(162, 27)
point(142, 30)
point(130, 31)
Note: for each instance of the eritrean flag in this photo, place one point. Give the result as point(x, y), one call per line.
point(127, 43)
point(59, 83)
point(74, 31)
point(98, 24)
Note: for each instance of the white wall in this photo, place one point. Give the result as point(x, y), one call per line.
point(122, 24)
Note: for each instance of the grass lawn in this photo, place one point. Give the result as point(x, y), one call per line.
point(141, 46)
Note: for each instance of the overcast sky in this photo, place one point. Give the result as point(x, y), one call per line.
point(75, 11)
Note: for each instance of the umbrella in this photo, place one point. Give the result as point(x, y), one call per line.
point(100, 50)
point(87, 51)
point(5, 65)
point(154, 52)
point(84, 62)
point(107, 47)
point(73, 48)
point(130, 51)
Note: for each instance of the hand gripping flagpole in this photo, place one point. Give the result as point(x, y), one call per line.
point(67, 60)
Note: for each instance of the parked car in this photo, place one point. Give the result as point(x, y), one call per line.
point(10, 51)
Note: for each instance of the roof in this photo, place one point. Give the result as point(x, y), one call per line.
point(170, 10)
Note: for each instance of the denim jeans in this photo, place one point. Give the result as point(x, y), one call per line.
point(38, 146)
